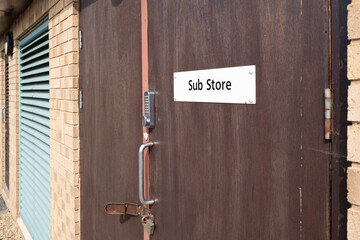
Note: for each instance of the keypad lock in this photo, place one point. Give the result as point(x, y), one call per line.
point(148, 120)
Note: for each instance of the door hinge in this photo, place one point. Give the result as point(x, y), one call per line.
point(80, 39)
point(328, 113)
point(80, 99)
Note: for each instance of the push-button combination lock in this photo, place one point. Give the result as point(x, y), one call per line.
point(148, 120)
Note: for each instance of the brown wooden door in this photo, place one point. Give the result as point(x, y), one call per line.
point(110, 78)
point(218, 171)
point(233, 171)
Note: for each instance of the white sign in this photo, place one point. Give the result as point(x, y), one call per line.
point(221, 85)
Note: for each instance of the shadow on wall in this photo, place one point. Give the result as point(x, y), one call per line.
point(116, 2)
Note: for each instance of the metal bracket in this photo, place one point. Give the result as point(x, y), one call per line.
point(328, 113)
point(2, 115)
point(80, 39)
point(80, 100)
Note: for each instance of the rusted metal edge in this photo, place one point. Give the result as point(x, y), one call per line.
point(145, 87)
point(125, 208)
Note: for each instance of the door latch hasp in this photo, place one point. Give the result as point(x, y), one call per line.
point(133, 209)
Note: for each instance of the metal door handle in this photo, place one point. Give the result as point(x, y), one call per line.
point(2, 114)
point(141, 174)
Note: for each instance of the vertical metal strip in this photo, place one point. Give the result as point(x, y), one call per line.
point(145, 87)
point(144, 55)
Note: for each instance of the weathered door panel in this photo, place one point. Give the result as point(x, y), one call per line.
point(110, 120)
point(227, 171)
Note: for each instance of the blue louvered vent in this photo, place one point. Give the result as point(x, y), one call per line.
point(34, 133)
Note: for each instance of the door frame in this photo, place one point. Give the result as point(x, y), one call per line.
point(339, 83)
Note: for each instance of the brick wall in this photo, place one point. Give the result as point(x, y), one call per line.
point(64, 142)
point(354, 117)
point(14, 131)
point(13, 200)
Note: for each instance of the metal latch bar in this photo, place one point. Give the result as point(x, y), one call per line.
point(126, 208)
point(123, 209)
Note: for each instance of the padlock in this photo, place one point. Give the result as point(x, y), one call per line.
point(148, 224)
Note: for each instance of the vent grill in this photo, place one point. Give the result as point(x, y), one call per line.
point(35, 133)
point(6, 111)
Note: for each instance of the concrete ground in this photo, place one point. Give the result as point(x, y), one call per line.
point(9, 229)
